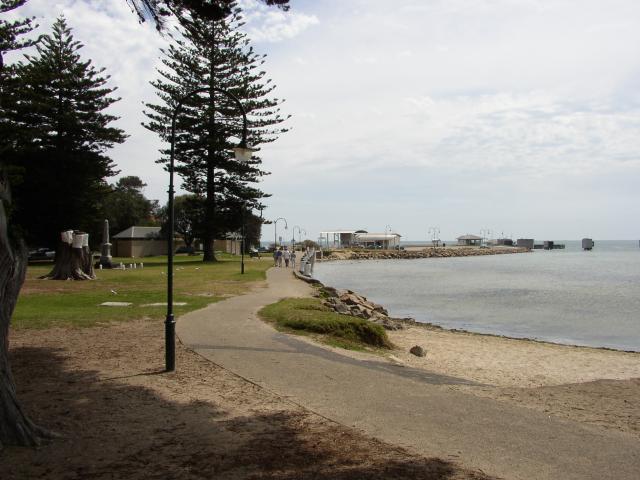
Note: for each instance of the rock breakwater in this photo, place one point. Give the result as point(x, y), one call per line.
point(425, 253)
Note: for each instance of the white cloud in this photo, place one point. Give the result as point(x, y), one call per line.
point(267, 24)
point(459, 113)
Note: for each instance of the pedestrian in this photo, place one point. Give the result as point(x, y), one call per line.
point(275, 257)
point(287, 257)
point(293, 259)
point(279, 257)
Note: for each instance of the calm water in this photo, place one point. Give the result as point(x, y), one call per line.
point(566, 296)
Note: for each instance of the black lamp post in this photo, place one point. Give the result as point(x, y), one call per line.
point(244, 206)
point(275, 230)
point(242, 154)
point(300, 230)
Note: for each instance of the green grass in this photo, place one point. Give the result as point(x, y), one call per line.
point(50, 303)
point(309, 316)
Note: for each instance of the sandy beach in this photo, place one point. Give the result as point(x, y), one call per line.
point(596, 386)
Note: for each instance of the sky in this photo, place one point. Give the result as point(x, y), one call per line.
point(521, 117)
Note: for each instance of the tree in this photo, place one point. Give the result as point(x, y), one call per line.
point(57, 101)
point(125, 205)
point(15, 426)
point(157, 10)
point(216, 56)
point(10, 32)
point(188, 218)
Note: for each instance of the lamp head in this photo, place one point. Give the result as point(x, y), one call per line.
point(243, 153)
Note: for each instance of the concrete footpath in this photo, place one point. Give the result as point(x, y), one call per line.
point(400, 405)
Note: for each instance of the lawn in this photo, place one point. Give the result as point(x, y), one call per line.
point(308, 316)
point(50, 303)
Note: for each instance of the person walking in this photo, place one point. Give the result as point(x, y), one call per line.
point(279, 257)
point(293, 259)
point(287, 257)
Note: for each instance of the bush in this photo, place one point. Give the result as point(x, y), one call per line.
point(309, 315)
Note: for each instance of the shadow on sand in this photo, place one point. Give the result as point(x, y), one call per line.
point(121, 428)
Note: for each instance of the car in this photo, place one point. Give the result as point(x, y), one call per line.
point(41, 255)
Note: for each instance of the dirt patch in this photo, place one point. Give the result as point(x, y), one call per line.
point(121, 416)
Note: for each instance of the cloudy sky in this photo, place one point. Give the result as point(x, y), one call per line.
point(519, 116)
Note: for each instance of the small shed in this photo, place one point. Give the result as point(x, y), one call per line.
point(228, 245)
point(138, 242)
point(525, 242)
point(469, 240)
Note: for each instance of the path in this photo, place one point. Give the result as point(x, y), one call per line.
point(407, 407)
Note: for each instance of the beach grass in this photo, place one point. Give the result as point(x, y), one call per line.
point(51, 303)
point(309, 316)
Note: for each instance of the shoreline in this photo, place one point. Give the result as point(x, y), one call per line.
point(596, 386)
point(410, 322)
point(435, 327)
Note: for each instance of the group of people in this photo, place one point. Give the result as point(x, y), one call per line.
point(283, 254)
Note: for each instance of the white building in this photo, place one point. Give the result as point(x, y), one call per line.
point(359, 238)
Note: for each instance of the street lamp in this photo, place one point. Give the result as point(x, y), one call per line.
point(275, 230)
point(242, 244)
point(243, 154)
point(387, 228)
point(300, 230)
point(435, 236)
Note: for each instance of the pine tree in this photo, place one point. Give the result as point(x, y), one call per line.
point(216, 56)
point(57, 101)
point(11, 31)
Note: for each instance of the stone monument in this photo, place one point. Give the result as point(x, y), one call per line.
point(105, 254)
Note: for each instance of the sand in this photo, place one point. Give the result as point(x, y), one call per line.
point(596, 386)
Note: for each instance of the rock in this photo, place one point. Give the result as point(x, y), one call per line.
point(379, 309)
point(330, 292)
point(341, 308)
point(418, 351)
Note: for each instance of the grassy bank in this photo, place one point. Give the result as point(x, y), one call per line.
point(309, 316)
point(48, 303)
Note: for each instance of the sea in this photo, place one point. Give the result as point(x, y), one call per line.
point(569, 296)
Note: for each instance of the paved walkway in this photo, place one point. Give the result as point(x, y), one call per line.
point(400, 405)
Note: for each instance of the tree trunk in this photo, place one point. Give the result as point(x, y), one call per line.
point(208, 238)
point(15, 427)
point(209, 254)
point(73, 258)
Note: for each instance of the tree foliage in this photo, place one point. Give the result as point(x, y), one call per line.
point(188, 218)
point(158, 10)
point(215, 56)
point(54, 107)
point(125, 205)
point(12, 31)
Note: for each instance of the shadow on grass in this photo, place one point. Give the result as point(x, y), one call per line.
point(113, 429)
